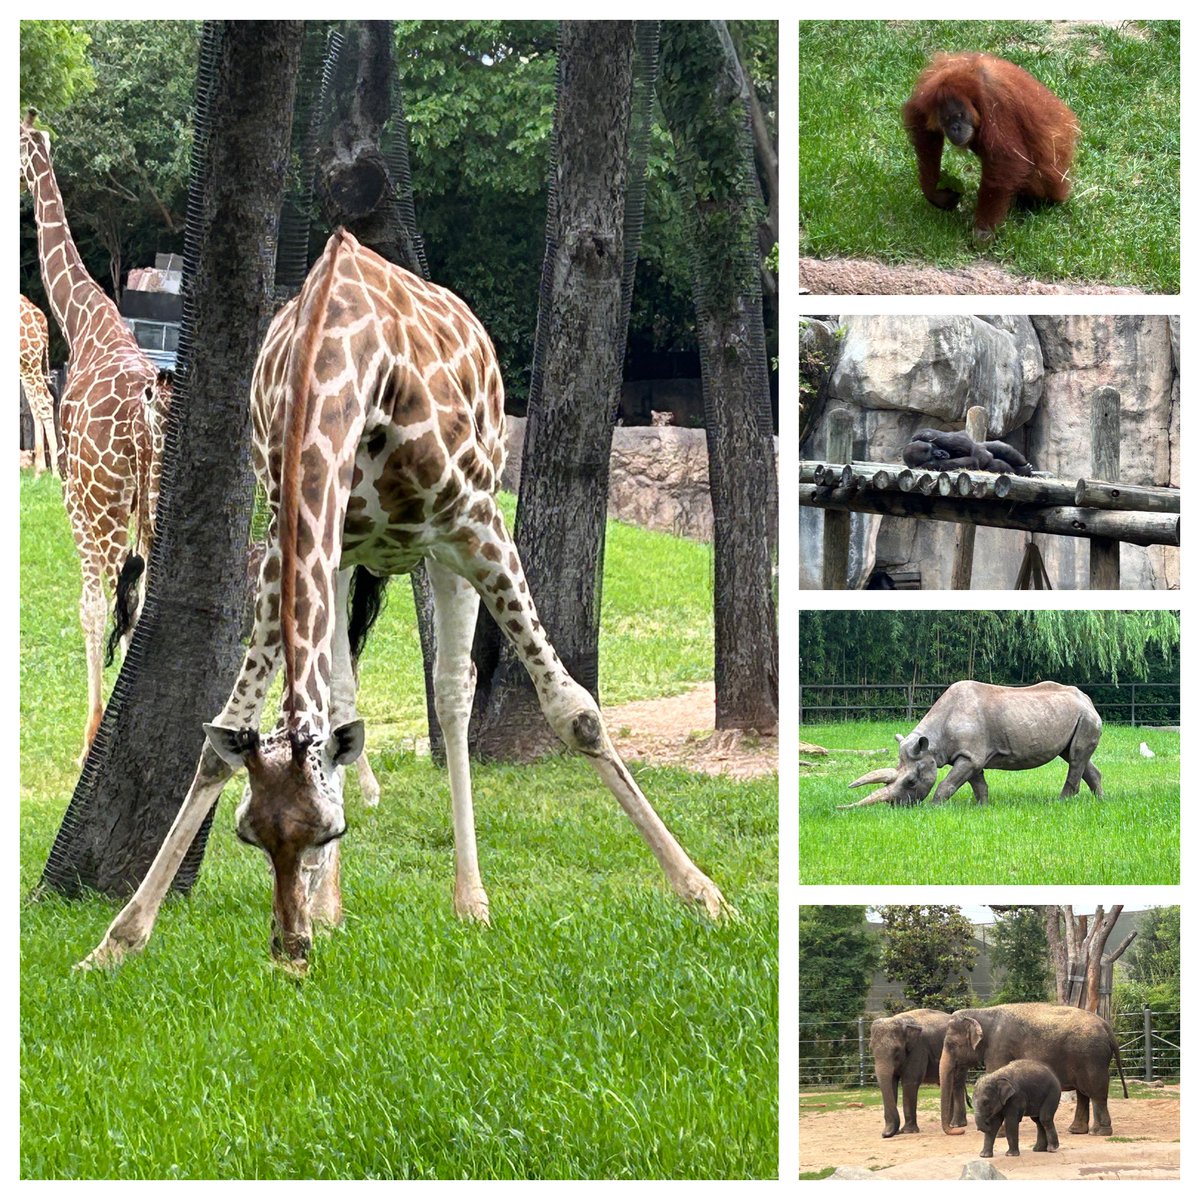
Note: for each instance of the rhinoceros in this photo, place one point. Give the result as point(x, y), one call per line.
point(981, 726)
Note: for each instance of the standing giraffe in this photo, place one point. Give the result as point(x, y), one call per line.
point(378, 417)
point(112, 423)
point(35, 378)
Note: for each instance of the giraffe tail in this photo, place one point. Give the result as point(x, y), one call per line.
point(312, 306)
point(126, 605)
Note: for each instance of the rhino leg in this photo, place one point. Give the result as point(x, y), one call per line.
point(961, 771)
point(979, 787)
point(1092, 778)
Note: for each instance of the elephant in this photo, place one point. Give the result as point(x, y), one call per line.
point(907, 1049)
point(1076, 1045)
point(976, 726)
point(1023, 1088)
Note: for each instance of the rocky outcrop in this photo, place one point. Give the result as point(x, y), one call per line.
point(1035, 377)
point(658, 477)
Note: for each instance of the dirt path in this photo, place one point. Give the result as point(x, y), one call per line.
point(851, 1137)
point(866, 277)
point(678, 731)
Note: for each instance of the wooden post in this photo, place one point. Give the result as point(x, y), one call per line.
point(964, 553)
point(839, 441)
point(1105, 562)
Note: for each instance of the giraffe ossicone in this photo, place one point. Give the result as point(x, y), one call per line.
point(378, 422)
point(112, 421)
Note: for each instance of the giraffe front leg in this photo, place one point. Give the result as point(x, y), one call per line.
point(455, 606)
point(131, 929)
point(39, 447)
point(93, 612)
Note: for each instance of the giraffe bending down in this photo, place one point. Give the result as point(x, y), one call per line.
point(35, 378)
point(378, 416)
point(112, 415)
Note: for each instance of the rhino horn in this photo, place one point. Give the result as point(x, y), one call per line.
point(881, 775)
point(879, 796)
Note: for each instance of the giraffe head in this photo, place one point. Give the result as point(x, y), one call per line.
point(293, 813)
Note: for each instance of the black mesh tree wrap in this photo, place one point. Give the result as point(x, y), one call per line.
point(145, 751)
point(504, 686)
point(62, 867)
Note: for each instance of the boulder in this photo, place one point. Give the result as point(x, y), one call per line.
point(980, 1168)
point(932, 369)
point(851, 1173)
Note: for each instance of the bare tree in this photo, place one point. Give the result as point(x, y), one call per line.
point(1083, 968)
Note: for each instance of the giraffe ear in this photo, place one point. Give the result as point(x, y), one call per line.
point(346, 743)
point(235, 746)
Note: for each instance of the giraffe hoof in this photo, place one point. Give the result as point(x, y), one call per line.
point(472, 905)
point(106, 957)
point(700, 891)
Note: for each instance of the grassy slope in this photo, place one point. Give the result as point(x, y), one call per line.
point(597, 1029)
point(858, 185)
point(1024, 835)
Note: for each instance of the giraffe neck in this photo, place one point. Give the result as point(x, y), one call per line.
point(73, 294)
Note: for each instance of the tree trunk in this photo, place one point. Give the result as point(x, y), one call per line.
point(1082, 967)
point(575, 390)
point(186, 648)
point(703, 96)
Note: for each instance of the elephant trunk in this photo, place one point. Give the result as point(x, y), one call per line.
point(951, 1076)
point(887, 1086)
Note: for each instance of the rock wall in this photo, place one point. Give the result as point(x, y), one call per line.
point(1035, 376)
point(658, 477)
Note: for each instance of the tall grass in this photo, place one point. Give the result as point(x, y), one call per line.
point(597, 1029)
point(1025, 834)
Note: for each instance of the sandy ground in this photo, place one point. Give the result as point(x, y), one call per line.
point(678, 731)
point(852, 1137)
point(865, 277)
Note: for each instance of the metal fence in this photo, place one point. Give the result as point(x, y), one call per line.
point(1135, 703)
point(838, 1053)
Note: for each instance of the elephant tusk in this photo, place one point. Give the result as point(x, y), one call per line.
point(880, 775)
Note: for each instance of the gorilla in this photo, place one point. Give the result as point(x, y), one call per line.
point(957, 452)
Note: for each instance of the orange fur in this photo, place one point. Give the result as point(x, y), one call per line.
point(1024, 135)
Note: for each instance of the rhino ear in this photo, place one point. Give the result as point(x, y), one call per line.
point(899, 737)
point(922, 745)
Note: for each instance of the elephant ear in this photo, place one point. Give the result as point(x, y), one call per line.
point(976, 1032)
point(912, 1033)
point(1006, 1090)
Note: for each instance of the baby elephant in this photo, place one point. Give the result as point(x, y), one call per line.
point(1023, 1088)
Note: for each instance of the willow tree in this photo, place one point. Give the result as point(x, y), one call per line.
point(187, 645)
point(704, 96)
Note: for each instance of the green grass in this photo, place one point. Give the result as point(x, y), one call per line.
point(597, 1029)
point(1024, 835)
point(858, 181)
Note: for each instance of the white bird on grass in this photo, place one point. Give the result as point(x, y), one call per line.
point(1145, 750)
